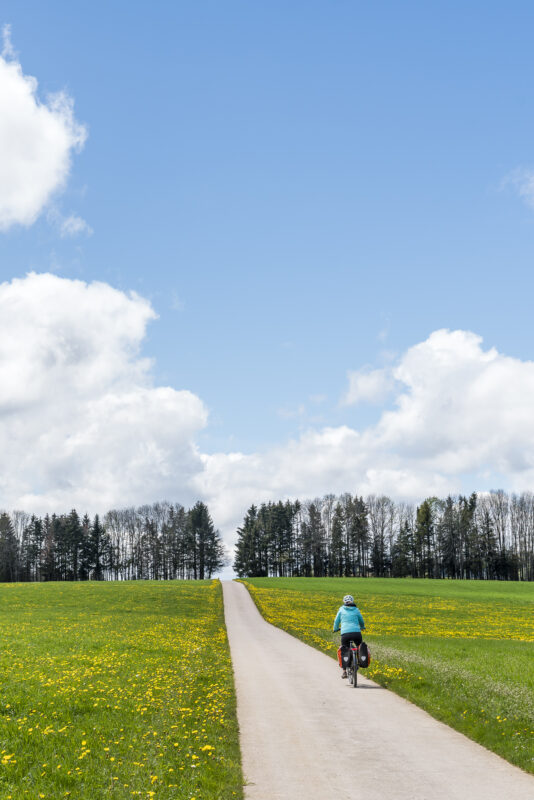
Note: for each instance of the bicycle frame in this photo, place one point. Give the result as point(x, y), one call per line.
point(353, 666)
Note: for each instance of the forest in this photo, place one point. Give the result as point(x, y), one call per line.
point(486, 536)
point(158, 541)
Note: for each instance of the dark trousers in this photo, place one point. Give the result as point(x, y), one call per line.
point(347, 638)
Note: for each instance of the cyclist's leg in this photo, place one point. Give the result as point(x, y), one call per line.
point(345, 643)
point(346, 639)
point(354, 636)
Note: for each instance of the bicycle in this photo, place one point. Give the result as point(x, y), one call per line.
point(352, 669)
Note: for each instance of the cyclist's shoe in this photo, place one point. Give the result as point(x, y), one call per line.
point(344, 673)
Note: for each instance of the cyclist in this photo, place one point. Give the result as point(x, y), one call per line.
point(351, 622)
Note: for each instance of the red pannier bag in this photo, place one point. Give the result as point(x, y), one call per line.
point(343, 656)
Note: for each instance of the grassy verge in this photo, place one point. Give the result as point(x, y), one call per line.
point(113, 690)
point(463, 651)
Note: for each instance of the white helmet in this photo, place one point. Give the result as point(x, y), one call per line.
point(348, 599)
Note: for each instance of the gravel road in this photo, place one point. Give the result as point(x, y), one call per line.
point(307, 735)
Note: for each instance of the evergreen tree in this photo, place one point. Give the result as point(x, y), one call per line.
point(98, 550)
point(337, 542)
point(358, 532)
point(246, 562)
point(424, 538)
point(48, 564)
point(85, 554)
point(449, 539)
point(402, 565)
point(209, 555)
point(74, 543)
point(317, 541)
point(9, 550)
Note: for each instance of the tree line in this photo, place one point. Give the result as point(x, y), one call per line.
point(485, 536)
point(158, 541)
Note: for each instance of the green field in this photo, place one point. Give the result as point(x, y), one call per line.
point(120, 690)
point(462, 650)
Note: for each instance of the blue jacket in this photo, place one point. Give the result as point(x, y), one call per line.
point(350, 619)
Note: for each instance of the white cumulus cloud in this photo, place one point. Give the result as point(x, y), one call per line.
point(81, 423)
point(368, 386)
point(37, 139)
point(462, 409)
point(462, 421)
point(73, 225)
point(8, 51)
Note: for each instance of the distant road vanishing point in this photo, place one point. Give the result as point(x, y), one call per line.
point(306, 735)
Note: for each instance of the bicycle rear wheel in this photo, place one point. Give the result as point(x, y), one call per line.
point(354, 664)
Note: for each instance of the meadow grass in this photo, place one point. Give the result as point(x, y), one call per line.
point(120, 690)
point(462, 650)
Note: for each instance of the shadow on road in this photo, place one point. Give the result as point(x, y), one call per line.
point(362, 686)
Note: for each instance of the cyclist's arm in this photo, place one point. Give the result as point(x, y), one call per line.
point(362, 623)
point(337, 620)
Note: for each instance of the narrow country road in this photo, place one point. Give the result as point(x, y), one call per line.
point(307, 735)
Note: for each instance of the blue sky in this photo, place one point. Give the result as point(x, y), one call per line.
point(300, 190)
